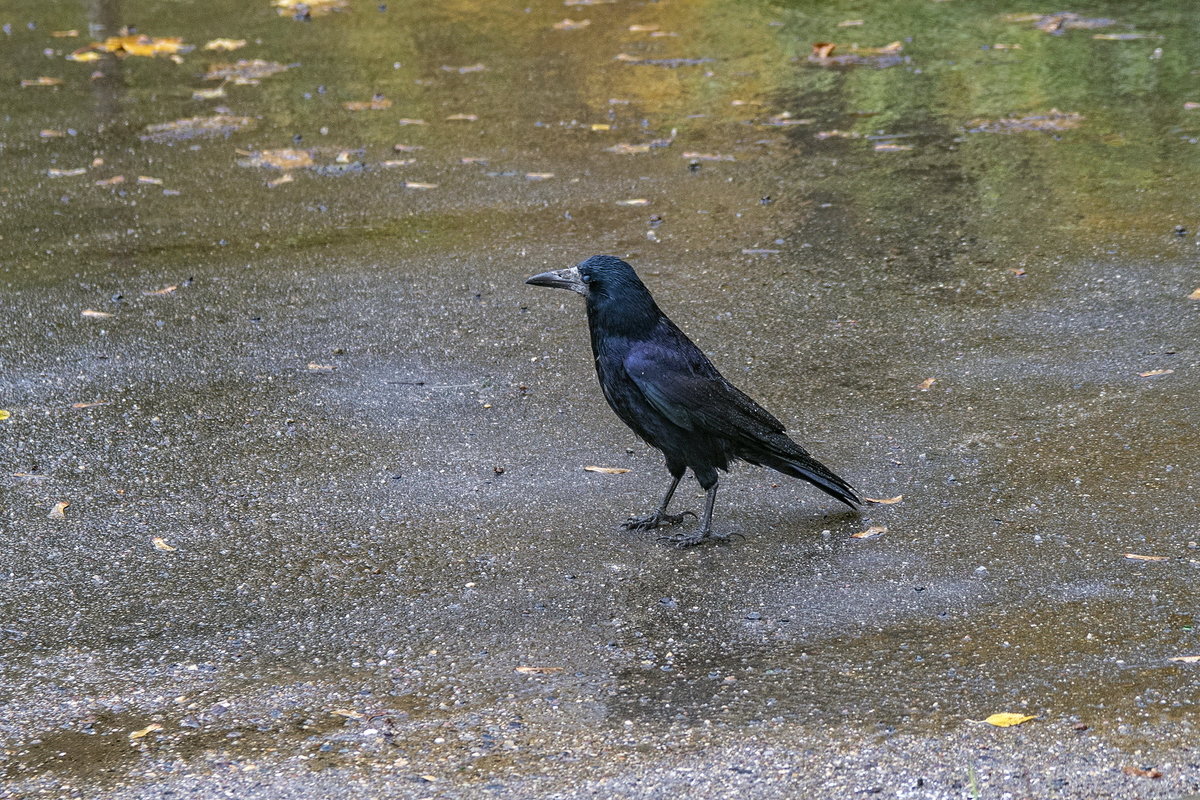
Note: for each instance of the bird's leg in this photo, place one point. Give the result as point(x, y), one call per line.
point(659, 518)
point(705, 533)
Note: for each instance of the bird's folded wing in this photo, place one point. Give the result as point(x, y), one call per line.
point(686, 389)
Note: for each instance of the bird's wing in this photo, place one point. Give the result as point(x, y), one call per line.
point(682, 385)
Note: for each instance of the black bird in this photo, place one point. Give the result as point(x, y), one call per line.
point(671, 395)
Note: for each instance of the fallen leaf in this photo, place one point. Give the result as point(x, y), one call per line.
point(416, 185)
point(408, 121)
point(4, 414)
point(1185, 659)
point(113, 181)
point(398, 162)
point(376, 103)
point(41, 81)
point(321, 367)
point(637, 201)
point(209, 94)
point(1002, 46)
point(1136, 557)
point(60, 510)
point(161, 544)
point(1195, 295)
point(151, 728)
point(630, 149)
point(465, 70)
point(164, 290)
point(1142, 773)
point(885, 502)
point(472, 160)
point(463, 117)
point(606, 470)
point(90, 405)
point(1006, 719)
point(925, 384)
point(823, 49)
point(347, 713)
point(874, 530)
point(83, 55)
point(303, 9)
point(88, 312)
point(71, 34)
point(1018, 271)
point(407, 148)
point(142, 45)
point(538, 176)
point(600, 126)
point(244, 73)
point(708, 157)
point(1155, 373)
point(643, 28)
point(891, 147)
point(538, 670)
point(66, 173)
point(147, 180)
point(282, 179)
point(285, 158)
point(224, 45)
point(571, 25)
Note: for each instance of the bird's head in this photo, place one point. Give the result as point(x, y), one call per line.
point(597, 276)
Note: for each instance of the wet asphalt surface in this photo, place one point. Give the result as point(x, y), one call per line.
point(329, 526)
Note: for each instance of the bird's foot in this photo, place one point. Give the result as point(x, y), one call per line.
point(699, 537)
point(656, 520)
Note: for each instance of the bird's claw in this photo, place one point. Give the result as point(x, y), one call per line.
point(694, 538)
point(656, 520)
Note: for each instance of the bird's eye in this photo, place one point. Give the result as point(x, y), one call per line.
point(586, 278)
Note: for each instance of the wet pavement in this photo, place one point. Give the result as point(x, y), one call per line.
point(329, 531)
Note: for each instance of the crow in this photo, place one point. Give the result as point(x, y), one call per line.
point(661, 385)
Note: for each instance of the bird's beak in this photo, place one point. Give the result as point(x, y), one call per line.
point(568, 278)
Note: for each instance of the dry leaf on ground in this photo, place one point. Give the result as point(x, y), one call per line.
point(886, 501)
point(1138, 772)
point(151, 728)
point(571, 25)
point(376, 103)
point(538, 670)
point(871, 532)
point(224, 45)
point(606, 470)
point(1137, 557)
point(246, 73)
point(41, 81)
point(1185, 659)
point(1006, 719)
point(161, 544)
point(1154, 373)
point(60, 510)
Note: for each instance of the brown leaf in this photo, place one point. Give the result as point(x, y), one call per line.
point(874, 530)
point(376, 103)
point(1195, 295)
point(151, 728)
point(71, 34)
point(925, 384)
point(885, 502)
point(538, 670)
point(161, 544)
point(823, 49)
point(606, 470)
point(164, 290)
point(1142, 773)
point(1154, 373)
point(60, 510)
point(282, 179)
point(850, 23)
point(1136, 557)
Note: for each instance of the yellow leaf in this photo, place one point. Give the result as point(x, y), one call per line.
point(1006, 719)
point(161, 544)
point(376, 103)
point(151, 728)
point(874, 530)
point(60, 510)
point(142, 45)
point(886, 501)
point(606, 470)
point(538, 670)
point(4, 414)
point(601, 126)
point(83, 55)
point(1136, 557)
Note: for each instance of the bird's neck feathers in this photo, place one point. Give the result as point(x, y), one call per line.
point(622, 307)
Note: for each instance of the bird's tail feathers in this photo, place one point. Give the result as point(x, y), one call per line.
point(793, 460)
